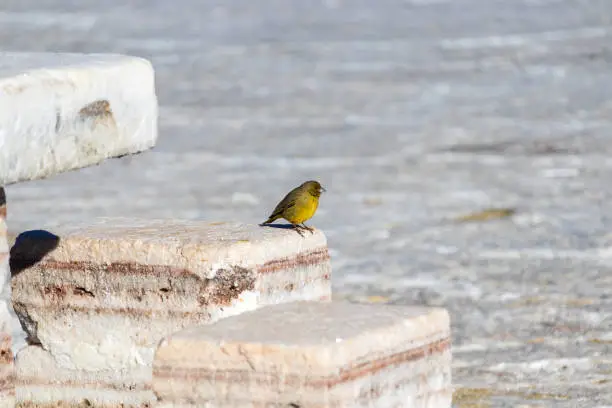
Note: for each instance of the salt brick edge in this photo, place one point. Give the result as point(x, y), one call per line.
point(184, 245)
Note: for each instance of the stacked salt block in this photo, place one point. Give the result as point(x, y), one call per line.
point(309, 354)
point(59, 112)
point(7, 390)
point(99, 298)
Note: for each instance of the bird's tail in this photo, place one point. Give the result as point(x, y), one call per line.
point(269, 220)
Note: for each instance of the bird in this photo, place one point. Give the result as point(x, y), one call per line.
point(299, 205)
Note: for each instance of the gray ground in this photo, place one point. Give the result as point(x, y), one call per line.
point(411, 113)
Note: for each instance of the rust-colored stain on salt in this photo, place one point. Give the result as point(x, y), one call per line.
point(54, 293)
point(25, 380)
point(226, 286)
point(372, 367)
point(6, 356)
point(126, 268)
point(348, 374)
point(97, 108)
point(488, 214)
point(302, 259)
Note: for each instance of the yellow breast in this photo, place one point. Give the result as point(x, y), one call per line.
point(303, 209)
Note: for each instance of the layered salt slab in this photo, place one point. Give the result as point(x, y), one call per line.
point(41, 382)
point(99, 297)
point(310, 354)
point(65, 111)
point(7, 389)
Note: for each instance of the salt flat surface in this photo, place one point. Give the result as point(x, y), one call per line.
point(410, 113)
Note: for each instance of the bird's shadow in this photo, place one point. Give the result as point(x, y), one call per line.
point(30, 247)
point(281, 226)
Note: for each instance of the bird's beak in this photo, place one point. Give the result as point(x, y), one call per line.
point(323, 189)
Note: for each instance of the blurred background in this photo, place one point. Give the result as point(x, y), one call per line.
point(416, 116)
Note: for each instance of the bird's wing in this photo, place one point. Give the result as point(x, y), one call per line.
point(287, 202)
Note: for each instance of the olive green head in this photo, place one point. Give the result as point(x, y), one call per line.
point(314, 188)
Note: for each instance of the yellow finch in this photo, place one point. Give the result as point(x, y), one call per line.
point(298, 206)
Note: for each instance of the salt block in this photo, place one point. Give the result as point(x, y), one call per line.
point(309, 354)
point(41, 382)
point(60, 112)
point(7, 388)
point(99, 297)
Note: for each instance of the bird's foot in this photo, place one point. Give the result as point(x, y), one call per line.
point(307, 228)
point(298, 228)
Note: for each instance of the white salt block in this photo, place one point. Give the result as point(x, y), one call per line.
point(60, 112)
point(309, 354)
